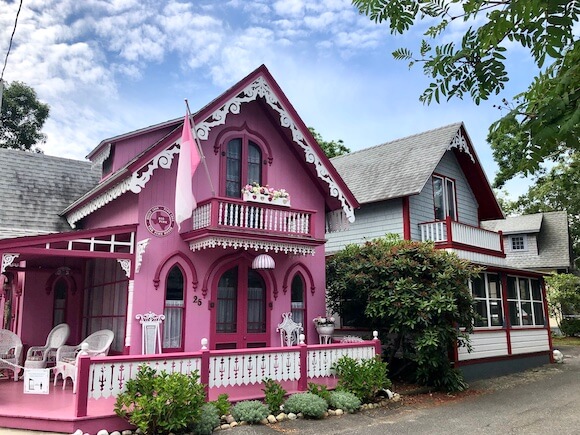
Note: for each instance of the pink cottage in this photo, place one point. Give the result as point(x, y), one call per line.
point(97, 246)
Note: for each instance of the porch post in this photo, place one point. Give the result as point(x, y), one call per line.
point(303, 381)
point(377, 343)
point(82, 385)
point(128, 327)
point(204, 375)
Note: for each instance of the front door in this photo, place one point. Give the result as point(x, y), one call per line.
point(240, 309)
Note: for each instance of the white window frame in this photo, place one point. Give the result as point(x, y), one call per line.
point(448, 184)
point(524, 240)
point(488, 300)
point(518, 300)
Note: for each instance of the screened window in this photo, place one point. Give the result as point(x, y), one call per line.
point(444, 198)
point(297, 300)
point(525, 303)
point(243, 166)
point(59, 310)
point(174, 307)
point(486, 291)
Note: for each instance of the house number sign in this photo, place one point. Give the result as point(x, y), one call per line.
point(160, 221)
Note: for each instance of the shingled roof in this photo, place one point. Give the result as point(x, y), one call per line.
point(35, 188)
point(395, 169)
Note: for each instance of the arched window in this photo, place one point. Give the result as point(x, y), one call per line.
point(243, 166)
point(59, 308)
point(174, 306)
point(256, 303)
point(298, 302)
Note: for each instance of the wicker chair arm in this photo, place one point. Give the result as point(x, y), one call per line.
point(66, 352)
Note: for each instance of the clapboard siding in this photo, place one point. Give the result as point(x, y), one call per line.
point(485, 345)
point(529, 340)
point(372, 221)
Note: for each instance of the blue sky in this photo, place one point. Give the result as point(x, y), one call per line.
point(107, 67)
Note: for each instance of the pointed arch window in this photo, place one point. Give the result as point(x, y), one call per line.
point(298, 300)
point(174, 307)
point(243, 165)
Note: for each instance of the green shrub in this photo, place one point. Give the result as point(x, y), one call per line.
point(160, 403)
point(344, 400)
point(310, 405)
point(208, 420)
point(319, 390)
point(362, 378)
point(274, 395)
point(222, 404)
point(570, 327)
point(250, 411)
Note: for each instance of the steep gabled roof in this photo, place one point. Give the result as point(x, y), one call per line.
point(34, 188)
point(402, 167)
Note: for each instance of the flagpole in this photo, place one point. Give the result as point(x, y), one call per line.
point(192, 122)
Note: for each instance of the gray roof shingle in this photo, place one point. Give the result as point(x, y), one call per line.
point(529, 223)
point(35, 188)
point(395, 169)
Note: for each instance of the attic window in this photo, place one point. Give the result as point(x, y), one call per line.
point(108, 162)
point(519, 243)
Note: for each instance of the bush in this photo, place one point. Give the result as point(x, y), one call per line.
point(250, 411)
point(208, 420)
point(273, 395)
point(310, 405)
point(344, 400)
point(570, 327)
point(319, 390)
point(363, 378)
point(160, 403)
point(222, 404)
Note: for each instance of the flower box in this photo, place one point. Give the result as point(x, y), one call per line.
point(265, 199)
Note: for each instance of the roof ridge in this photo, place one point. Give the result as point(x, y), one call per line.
point(42, 155)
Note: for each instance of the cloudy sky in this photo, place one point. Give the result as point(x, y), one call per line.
point(107, 67)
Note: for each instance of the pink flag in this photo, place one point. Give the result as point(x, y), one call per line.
point(188, 161)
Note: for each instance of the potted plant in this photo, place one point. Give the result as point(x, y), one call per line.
point(324, 325)
point(265, 194)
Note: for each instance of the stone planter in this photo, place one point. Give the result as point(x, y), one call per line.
point(265, 199)
point(325, 329)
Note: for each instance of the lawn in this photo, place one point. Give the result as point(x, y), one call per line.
point(566, 341)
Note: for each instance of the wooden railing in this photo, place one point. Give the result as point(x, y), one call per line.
point(240, 215)
point(106, 377)
point(451, 232)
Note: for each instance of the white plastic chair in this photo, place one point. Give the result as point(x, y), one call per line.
point(289, 330)
point(10, 352)
point(38, 357)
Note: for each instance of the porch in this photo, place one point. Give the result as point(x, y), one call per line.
point(239, 373)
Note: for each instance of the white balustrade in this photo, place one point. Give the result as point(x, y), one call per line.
point(202, 216)
point(475, 237)
point(320, 361)
point(433, 232)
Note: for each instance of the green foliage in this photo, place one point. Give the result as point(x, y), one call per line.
point(331, 148)
point(415, 293)
point(250, 411)
point(160, 403)
point(319, 390)
point(21, 118)
point(363, 378)
point(545, 119)
point(222, 404)
point(570, 327)
point(273, 395)
point(344, 400)
point(208, 420)
point(563, 298)
point(310, 405)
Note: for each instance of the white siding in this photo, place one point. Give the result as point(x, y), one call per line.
point(476, 257)
point(372, 221)
point(485, 345)
point(529, 340)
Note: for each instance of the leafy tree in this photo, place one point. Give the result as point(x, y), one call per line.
point(557, 189)
point(415, 293)
point(563, 295)
point(331, 148)
point(21, 118)
point(543, 121)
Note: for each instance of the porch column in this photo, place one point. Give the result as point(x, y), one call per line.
point(130, 319)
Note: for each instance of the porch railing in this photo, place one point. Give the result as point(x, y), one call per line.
point(453, 232)
point(236, 214)
point(106, 377)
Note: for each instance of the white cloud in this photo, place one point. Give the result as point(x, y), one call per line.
point(289, 7)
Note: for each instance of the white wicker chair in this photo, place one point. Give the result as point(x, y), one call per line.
point(289, 330)
point(39, 356)
point(67, 357)
point(10, 352)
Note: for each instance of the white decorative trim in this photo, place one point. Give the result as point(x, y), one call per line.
point(232, 242)
point(460, 143)
point(150, 317)
point(260, 88)
point(98, 202)
point(125, 265)
point(141, 245)
point(128, 329)
point(161, 160)
point(102, 156)
point(7, 260)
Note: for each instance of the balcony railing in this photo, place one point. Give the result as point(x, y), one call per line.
point(454, 234)
point(247, 216)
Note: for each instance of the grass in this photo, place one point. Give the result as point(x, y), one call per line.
point(566, 341)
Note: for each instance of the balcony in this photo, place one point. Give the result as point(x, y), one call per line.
point(232, 222)
point(471, 243)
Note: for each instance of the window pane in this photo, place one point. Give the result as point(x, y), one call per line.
point(478, 287)
point(496, 313)
point(438, 198)
point(539, 313)
point(451, 199)
point(511, 290)
point(514, 313)
point(518, 243)
point(524, 289)
point(481, 309)
point(297, 303)
point(233, 168)
point(256, 302)
point(254, 164)
point(494, 286)
point(527, 313)
point(174, 285)
point(173, 324)
point(227, 301)
point(536, 290)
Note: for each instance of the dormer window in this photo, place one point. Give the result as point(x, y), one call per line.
point(444, 198)
point(519, 243)
point(243, 166)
